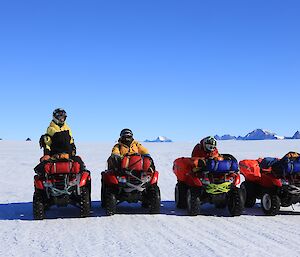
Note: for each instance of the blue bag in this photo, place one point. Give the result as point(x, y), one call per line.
point(290, 166)
point(268, 162)
point(223, 166)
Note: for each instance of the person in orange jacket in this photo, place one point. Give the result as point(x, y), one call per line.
point(207, 148)
point(126, 145)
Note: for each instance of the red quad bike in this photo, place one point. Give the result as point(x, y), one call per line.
point(212, 181)
point(135, 180)
point(61, 183)
point(275, 181)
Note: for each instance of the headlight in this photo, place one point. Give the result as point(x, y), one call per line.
point(47, 184)
point(146, 178)
point(122, 179)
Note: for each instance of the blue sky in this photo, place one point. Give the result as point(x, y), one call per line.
point(183, 69)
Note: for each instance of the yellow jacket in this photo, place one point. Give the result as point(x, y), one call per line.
point(58, 139)
point(135, 147)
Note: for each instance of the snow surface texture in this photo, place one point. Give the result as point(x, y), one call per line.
point(133, 232)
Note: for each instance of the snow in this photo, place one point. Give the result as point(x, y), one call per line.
point(133, 232)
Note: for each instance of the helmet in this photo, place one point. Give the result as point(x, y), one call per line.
point(126, 136)
point(126, 133)
point(209, 144)
point(59, 116)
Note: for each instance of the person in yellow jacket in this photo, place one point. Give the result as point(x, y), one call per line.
point(58, 141)
point(126, 145)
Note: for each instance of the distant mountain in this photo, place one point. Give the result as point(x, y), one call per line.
point(28, 139)
point(257, 134)
point(159, 139)
point(260, 134)
point(296, 135)
point(225, 137)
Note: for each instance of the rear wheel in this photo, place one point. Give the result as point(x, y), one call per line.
point(38, 205)
point(110, 202)
point(193, 201)
point(249, 195)
point(90, 192)
point(85, 202)
point(270, 204)
point(103, 203)
point(221, 205)
point(154, 199)
point(180, 195)
point(235, 202)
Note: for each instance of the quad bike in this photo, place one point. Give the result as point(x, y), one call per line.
point(134, 180)
point(61, 182)
point(275, 181)
point(212, 181)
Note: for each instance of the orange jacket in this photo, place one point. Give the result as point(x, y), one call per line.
point(135, 147)
point(199, 151)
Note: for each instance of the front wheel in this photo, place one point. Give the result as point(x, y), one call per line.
point(180, 195)
point(193, 202)
point(85, 202)
point(235, 202)
point(38, 205)
point(270, 204)
point(154, 199)
point(249, 194)
point(110, 202)
point(221, 205)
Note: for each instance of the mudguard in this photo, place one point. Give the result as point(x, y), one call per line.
point(84, 179)
point(38, 183)
point(193, 181)
point(269, 180)
point(154, 178)
point(240, 178)
point(109, 178)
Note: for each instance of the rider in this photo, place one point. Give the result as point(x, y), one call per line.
point(126, 145)
point(58, 141)
point(207, 148)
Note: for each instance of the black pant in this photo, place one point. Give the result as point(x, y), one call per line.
point(114, 162)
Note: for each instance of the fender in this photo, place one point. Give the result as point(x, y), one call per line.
point(109, 178)
point(193, 181)
point(38, 183)
point(84, 178)
point(239, 179)
point(154, 178)
point(268, 180)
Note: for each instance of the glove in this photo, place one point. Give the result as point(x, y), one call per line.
point(45, 158)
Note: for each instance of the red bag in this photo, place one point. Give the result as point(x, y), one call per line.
point(250, 168)
point(62, 167)
point(136, 162)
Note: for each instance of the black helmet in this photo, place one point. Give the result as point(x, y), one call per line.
point(126, 133)
point(126, 136)
point(59, 116)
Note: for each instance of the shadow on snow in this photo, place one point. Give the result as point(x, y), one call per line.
point(23, 211)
